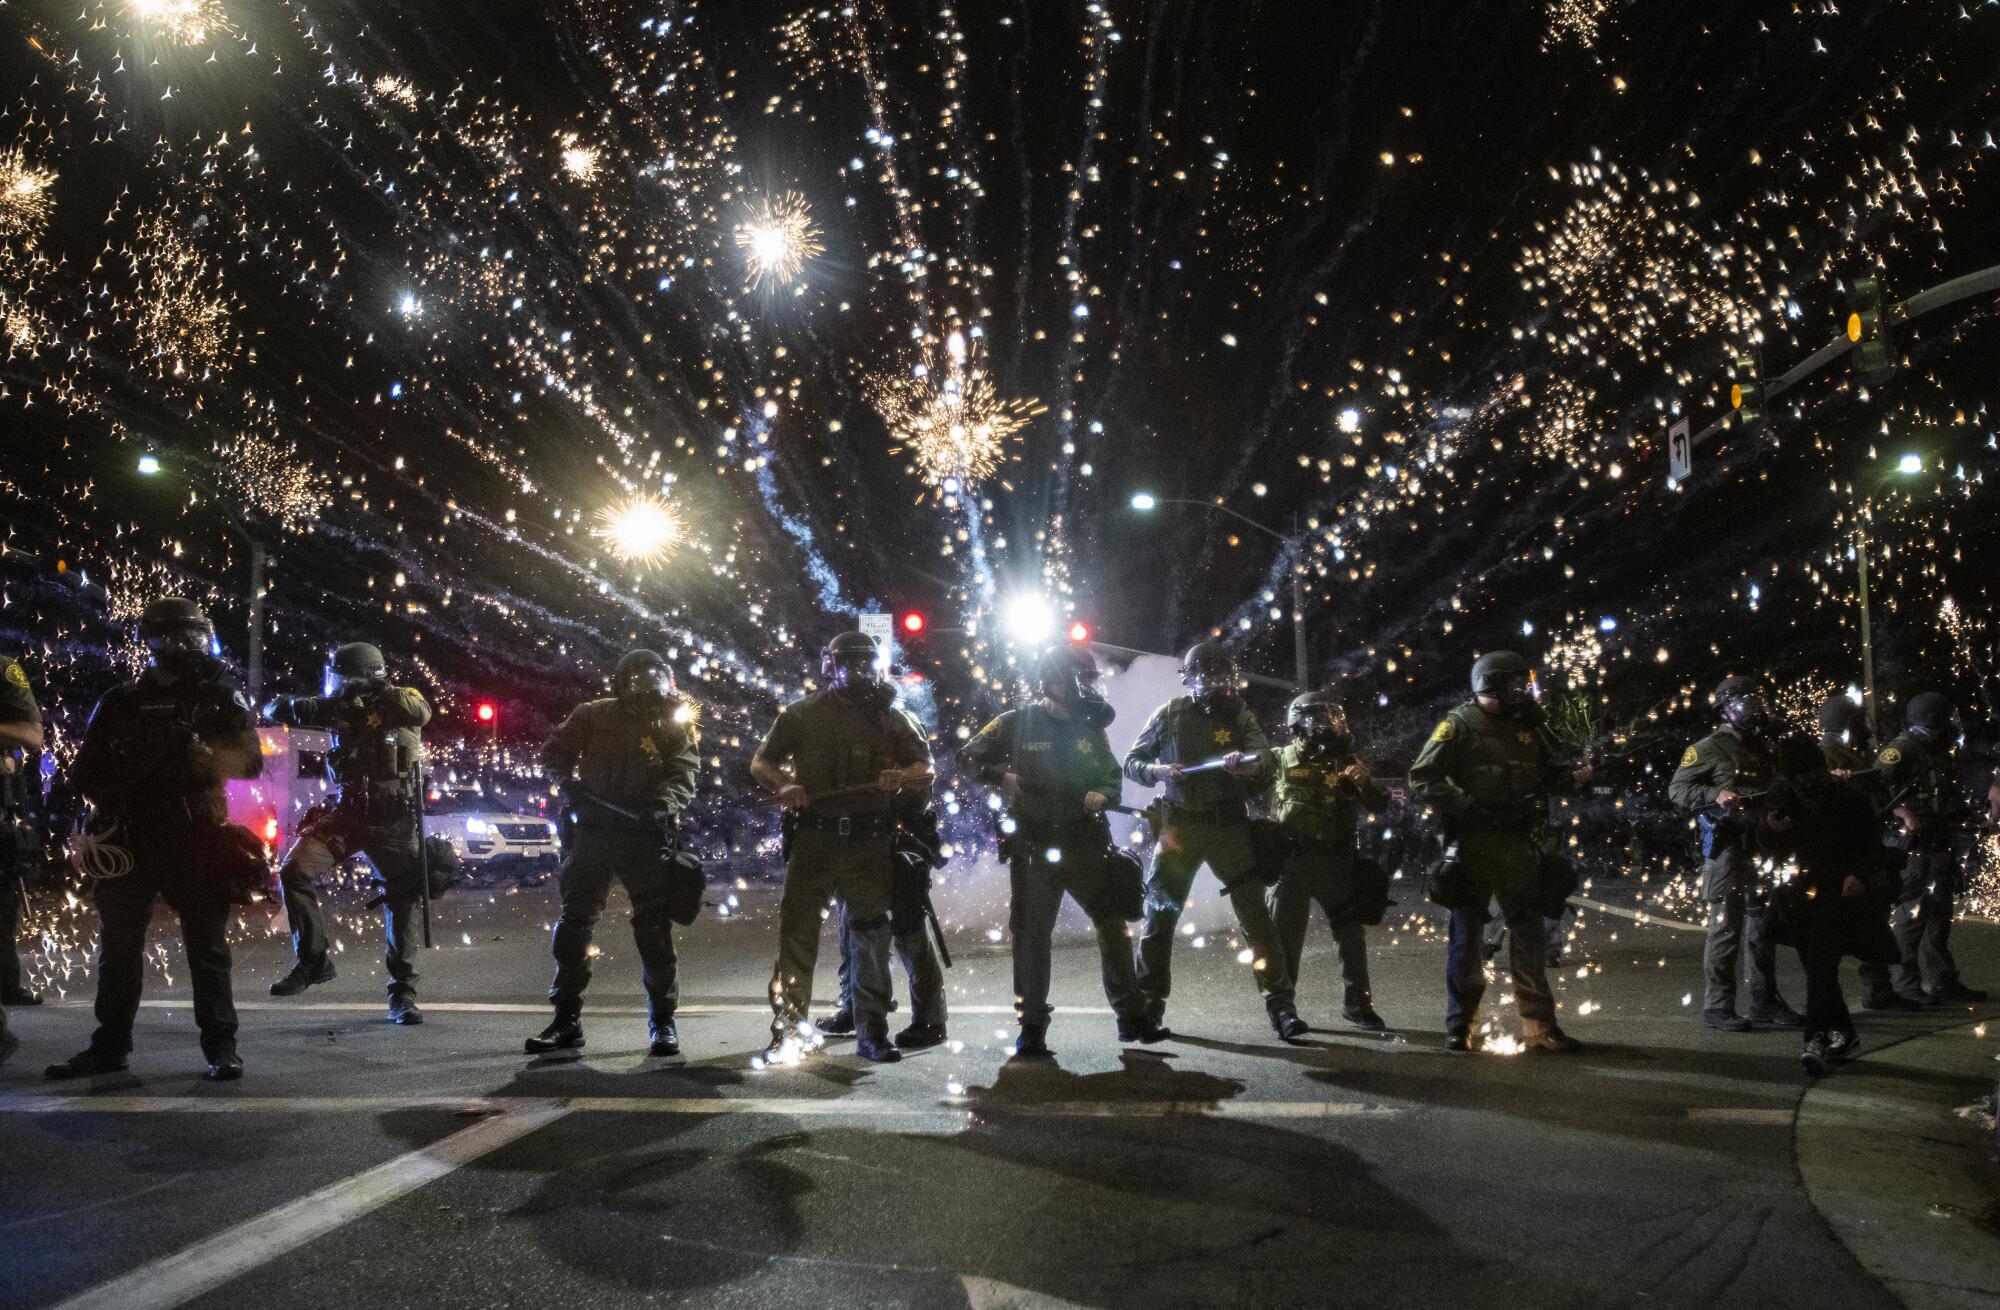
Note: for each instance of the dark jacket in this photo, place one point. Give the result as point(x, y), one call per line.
point(1833, 835)
point(160, 753)
point(835, 741)
point(1187, 731)
point(642, 762)
point(377, 747)
point(1312, 801)
point(1057, 760)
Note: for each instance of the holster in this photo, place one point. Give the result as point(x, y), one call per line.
point(1450, 885)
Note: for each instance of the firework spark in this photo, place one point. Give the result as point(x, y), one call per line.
point(579, 161)
point(951, 418)
point(185, 22)
point(643, 530)
point(778, 240)
point(183, 320)
point(25, 201)
point(266, 476)
point(396, 89)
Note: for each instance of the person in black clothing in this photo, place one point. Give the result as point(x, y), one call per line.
point(20, 844)
point(1827, 826)
point(153, 763)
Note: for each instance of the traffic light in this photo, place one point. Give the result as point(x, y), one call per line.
point(486, 713)
point(1868, 323)
point(1746, 393)
point(912, 623)
point(1079, 632)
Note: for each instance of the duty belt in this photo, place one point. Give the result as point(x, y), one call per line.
point(1204, 813)
point(849, 825)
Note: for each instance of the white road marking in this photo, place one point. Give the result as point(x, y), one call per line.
point(522, 1007)
point(992, 1294)
point(795, 1106)
point(179, 1278)
point(1643, 917)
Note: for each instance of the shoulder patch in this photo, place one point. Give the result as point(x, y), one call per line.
point(1889, 755)
point(1445, 730)
point(1689, 756)
point(16, 674)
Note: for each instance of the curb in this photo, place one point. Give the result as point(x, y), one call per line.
point(1906, 1185)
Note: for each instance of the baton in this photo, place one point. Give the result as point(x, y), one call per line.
point(423, 857)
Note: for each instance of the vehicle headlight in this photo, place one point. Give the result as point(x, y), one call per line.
point(477, 825)
point(552, 829)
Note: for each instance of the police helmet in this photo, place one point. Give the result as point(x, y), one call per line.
point(1064, 670)
point(1208, 669)
point(642, 671)
point(1930, 709)
point(358, 661)
point(854, 651)
point(1838, 715)
point(172, 615)
point(1494, 668)
point(1307, 705)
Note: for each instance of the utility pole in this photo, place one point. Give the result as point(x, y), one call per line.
point(253, 667)
point(1299, 610)
point(1867, 634)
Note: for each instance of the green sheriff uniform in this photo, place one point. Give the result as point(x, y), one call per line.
point(1057, 846)
point(376, 764)
point(1724, 761)
point(1921, 776)
point(20, 846)
point(634, 772)
point(839, 846)
point(1489, 776)
point(1320, 813)
point(1205, 822)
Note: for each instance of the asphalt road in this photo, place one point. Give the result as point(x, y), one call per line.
point(363, 1164)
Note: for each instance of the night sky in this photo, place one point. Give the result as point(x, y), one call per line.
point(419, 292)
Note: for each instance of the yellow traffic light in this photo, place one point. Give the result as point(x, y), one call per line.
point(1736, 396)
point(1854, 327)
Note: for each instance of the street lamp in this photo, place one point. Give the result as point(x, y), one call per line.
point(1910, 465)
point(149, 465)
point(1145, 501)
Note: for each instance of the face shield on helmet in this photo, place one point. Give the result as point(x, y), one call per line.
point(354, 668)
point(1209, 672)
point(178, 637)
point(849, 663)
point(1750, 715)
point(642, 680)
point(1321, 725)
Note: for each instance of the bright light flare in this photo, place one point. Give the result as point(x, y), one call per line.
point(778, 240)
point(184, 22)
point(580, 161)
point(24, 195)
point(1145, 501)
point(1910, 465)
point(1029, 618)
point(643, 530)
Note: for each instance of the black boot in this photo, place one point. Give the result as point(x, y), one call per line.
point(1033, 1043)
point(921, 1036)
point(666, 1038)
point(1142, 1027)
point(303, 975)
point(1364, 1016)
point(1892, 1001)
point(1287, 1024)
point(838, 1024)
point(876, 1049)
point(224, 1066)
point(88, 1063)
point(565, 1033)
point(1817, 1059)
point(20, 996)
point(403, 1009)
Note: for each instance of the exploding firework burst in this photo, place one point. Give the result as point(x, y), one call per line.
point(644, 530)
point(397, 89)
point(778, 240)
point(1575, 21)
point(184, 22)
point(182, 322)
point(266, 476)
point(952, 419)
point(25, 201)
point(579, 161)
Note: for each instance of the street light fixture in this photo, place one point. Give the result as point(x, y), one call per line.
point(1910, 465)
point(1144, 501)
point(149, 465)
point(236, 523)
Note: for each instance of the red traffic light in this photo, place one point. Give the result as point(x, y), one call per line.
point(1079, 632)
point(486, 712)
point(913, 623)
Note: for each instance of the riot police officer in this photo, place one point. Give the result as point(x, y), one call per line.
point(1052, 763)
point(377, 812)
point(1321, 789)
point(1719, 779)
point(20, 749)
point(1487, 770)
point(842, 760)
point(153, 762)
point(1205, 822)
point(633, 756)
point(1917, 774)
